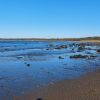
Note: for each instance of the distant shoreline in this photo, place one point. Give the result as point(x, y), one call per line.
point(86, 39)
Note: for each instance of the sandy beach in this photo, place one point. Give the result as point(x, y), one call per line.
point(50, 50)
point(49, 71)
point(85, 88)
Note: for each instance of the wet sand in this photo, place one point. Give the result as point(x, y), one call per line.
point(85, 88)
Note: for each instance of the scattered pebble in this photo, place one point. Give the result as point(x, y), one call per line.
point(28, 65)
point(60, 57)
point(39, 99)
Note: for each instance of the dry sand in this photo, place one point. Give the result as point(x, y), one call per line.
point(85, 88)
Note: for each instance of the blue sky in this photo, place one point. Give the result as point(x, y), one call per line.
point(49, 18)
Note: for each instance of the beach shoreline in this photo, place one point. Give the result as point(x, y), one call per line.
point(48, 70)
point(85, 88)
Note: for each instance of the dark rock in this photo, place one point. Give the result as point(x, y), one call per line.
point(91, 57)
point(82, 44)
point(6, 49)
point(80, 48)
point(19, 57)
point(60, 57)
point(39, 99)
point(79, 56)
point(28, 65)
point(98, 51)
point(61, 47)
point(47, 49)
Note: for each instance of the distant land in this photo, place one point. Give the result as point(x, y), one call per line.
point(91, 39)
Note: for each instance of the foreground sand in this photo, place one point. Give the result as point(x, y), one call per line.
point(85, 88)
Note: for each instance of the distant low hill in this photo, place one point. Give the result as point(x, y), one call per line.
point(84, 39)
point(52, 39)
point(91, 38)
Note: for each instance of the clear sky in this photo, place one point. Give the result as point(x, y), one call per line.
point(49, 18)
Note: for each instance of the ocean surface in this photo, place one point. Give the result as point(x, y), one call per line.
point(28, 65)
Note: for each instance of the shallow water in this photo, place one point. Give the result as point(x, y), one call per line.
point(25, 66)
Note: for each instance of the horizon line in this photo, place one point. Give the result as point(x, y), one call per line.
point(52, 38)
